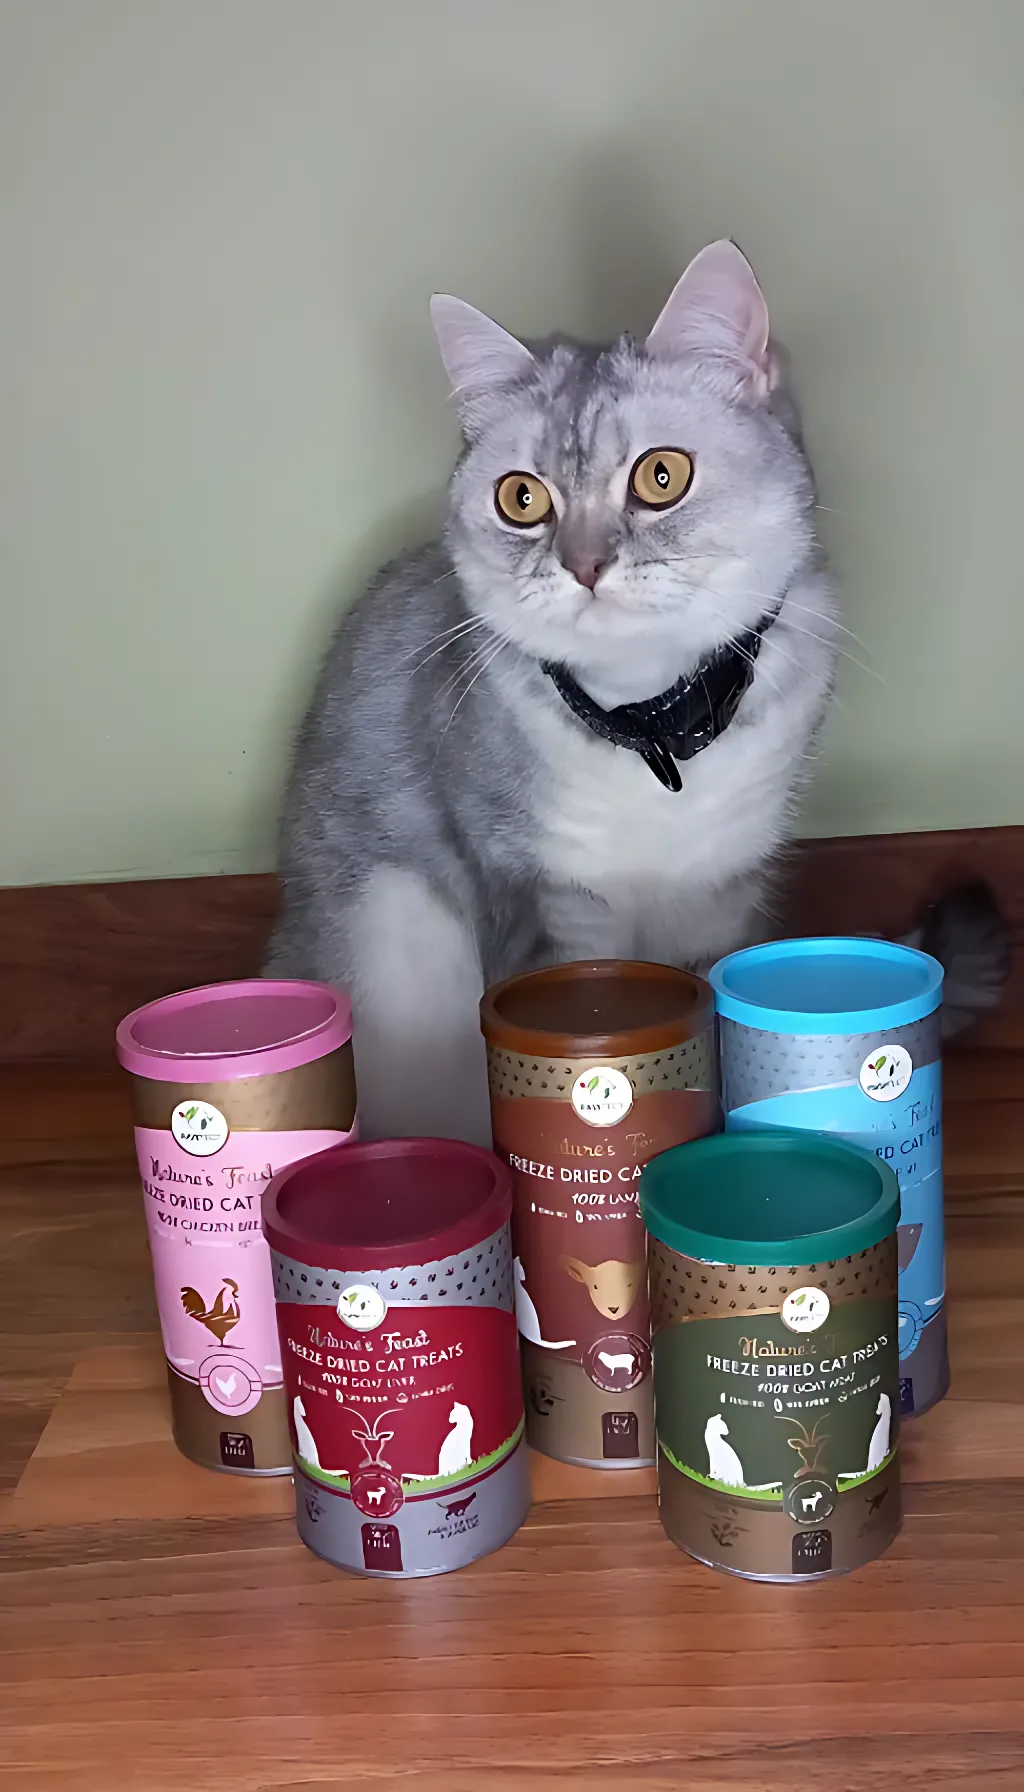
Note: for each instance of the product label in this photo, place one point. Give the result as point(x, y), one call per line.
point(211, 1264)
point(904, 1129)
point(747, 1406)
point(426, 1399)
point(577, 1136)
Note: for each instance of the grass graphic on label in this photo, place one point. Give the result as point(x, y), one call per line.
point(846, 1483)
point(426, 1484)
point(772, 1494)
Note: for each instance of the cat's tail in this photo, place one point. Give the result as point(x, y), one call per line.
point(968, 933)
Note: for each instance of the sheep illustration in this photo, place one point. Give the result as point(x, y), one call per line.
point(625, 1361)
point(612, 1286)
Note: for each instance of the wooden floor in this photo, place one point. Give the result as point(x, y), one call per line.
point(163, 1628)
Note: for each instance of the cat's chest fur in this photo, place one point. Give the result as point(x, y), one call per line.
point(649, 858)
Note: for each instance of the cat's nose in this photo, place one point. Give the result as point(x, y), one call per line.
point(586, 569)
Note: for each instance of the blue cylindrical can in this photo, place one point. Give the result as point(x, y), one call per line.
point(841, 1036)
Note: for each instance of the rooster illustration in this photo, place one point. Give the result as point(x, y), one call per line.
point(219, 1319)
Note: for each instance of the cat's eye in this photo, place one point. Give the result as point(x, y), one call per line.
point(523, 499)
point(661, 477)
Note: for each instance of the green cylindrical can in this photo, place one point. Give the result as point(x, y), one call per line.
point(773, 1282)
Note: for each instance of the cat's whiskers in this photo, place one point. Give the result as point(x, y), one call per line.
point(479, 653)
point(843, 652)
point(752, 660)
point(452, 635)
point(793, 603)
point(788, 603)
point(499, 645)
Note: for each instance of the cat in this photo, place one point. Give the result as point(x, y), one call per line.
point(472, 794)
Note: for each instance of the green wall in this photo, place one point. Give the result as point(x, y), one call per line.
point(220, 403)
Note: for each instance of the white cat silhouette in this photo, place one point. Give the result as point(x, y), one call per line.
point(527, 1317)
point(878, 1448)
point(457, 1448)
point(304, 1439)
point(723, 1462)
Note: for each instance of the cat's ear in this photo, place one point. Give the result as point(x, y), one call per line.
point(718, 309)
point(478, 355)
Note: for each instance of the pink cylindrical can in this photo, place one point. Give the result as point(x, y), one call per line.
point(231, 1084)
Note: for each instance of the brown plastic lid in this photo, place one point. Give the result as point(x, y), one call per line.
point(610, 1005)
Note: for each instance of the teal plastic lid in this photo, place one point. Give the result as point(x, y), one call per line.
point(769, 1197)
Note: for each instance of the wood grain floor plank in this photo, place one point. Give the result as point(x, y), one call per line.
point(162, 1628)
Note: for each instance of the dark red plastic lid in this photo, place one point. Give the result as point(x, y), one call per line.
point(382, 1205)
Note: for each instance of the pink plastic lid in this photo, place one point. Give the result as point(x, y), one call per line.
point(387, 1203)
point(229, 1030)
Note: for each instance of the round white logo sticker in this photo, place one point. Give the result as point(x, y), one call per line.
point(361, 1307)
point(199, 1128)
point(805, 1309)
point(886, 1072)
point(601, 1096)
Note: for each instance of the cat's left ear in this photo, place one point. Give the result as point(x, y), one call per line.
point(479, 356)
point(717, 309)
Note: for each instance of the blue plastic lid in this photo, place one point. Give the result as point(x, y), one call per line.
point(827, 986)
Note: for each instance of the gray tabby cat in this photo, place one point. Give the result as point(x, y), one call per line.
point(622, 514)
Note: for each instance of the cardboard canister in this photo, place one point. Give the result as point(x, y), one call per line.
point(593, 1068)
point(842, 1036)
point(393, 1276)
point(229, 1084)
point(773, 1273)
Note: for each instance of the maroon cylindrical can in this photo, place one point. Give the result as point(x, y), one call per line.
point(594, 1068)
point(393, 1278)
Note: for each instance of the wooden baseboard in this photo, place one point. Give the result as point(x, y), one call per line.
point(74, 958)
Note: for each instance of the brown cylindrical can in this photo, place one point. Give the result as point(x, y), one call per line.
point(230, 1084)
point(594, 1068)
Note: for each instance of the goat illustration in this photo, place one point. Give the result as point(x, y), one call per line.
point(811, 1505)
point(808, 1446)
point(371, 1437)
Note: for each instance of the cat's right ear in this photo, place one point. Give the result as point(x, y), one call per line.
point(479, 356)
